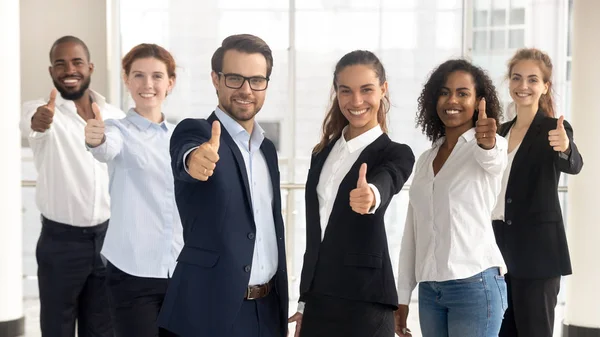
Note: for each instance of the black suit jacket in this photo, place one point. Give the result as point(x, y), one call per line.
point(353, 260)
point(533, 240)
point(208, 285)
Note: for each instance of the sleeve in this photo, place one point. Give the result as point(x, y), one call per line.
point(390, 176)
point(189, 134)
point(494, 160)
point(112, 146)
point(377, 199)
point(406, 264)
point(573, 162)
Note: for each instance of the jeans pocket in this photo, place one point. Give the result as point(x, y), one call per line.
point(501, 283)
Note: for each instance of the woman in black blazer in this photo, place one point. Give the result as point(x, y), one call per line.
point(347, 286)
point(528, 222)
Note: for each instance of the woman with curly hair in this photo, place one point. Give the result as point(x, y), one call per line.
point(448, 244)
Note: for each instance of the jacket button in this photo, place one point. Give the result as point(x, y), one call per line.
point(508, 222)
point(251, 236)
point(508, 200)
point(247, 269)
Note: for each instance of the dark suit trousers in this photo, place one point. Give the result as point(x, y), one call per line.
point(258, 318)
point(71, 279)
point(135, 303)
point(531, 304)
point(326, 316)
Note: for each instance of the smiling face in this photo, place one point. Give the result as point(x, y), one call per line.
point(457, 100)
point(148, 83)
point(244, 103)
point(70, 70)
point(359, 96)
point(527, 84)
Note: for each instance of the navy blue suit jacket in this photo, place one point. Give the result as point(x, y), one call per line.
point(208, 285)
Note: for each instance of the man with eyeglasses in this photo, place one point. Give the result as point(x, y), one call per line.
point(231, 276)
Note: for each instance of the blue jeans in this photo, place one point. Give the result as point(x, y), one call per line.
point(471, 307)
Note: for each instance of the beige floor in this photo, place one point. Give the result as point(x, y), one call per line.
point(33, 319)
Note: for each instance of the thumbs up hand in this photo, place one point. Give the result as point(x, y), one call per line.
point(485, 128)
point(42, 119)
point(558, 137)
point(362, 197)
point(94, 129)
point(202, 161)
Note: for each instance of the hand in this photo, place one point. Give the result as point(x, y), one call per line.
point(362, 198)
point(558, 137)
point(485, 128)
point(400, 317)
point(298, 319)
point(94, 129)
point(41, 120)
point(203, 160)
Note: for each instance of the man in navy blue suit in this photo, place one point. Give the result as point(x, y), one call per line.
point(230, 279)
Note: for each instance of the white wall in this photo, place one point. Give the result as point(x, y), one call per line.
point(44, 21)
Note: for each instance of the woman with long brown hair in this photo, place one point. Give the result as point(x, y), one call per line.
point(527, 219)
point(347, 286)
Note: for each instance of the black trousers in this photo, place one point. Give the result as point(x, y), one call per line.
point(135, 303)
point(531, 304)
point(326, 316)
point(71, 280)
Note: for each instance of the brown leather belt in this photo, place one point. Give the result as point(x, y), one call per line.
point(258, 291)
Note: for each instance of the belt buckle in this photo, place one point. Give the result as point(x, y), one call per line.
point(248, 296)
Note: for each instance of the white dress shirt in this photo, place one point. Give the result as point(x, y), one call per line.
point(145, 235)
point(337, 165)
point(340, 160)
point(498, 212)
point(448, 233)
point(72, 187)
point(265, 256)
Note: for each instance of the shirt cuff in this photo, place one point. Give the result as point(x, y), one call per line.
point(100, 149)
point(301, 307)
point(185, 158)
point(377, 199)
point(404, 296)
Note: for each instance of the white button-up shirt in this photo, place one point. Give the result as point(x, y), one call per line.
point(448, 233)
point(337, 165)
point(72, 187)
point(145, 234)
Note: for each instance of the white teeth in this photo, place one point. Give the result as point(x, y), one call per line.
point(358, 112)
point(242, 102)
point(70, 81)
point(147, 95)
point(452, 112)
point(522, 94)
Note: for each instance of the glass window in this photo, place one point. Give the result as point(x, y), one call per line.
point(516, 38)
point(517, 16)
point(498, 39)
point(480, 18)
point(498, 17)
point(480, 40)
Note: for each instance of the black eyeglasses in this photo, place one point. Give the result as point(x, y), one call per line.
point(236, 81)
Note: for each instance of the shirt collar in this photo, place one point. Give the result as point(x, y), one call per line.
point(468, 136)
point(237, 131)
point(362, 140)
point(96, 97)
point(143, 123)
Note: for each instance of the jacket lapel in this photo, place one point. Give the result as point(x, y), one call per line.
point(531, 135)
point(239, 159)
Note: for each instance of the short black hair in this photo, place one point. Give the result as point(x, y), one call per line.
point(69, 38)
point(427, 117)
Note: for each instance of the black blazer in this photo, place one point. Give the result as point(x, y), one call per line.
point(532, 239)
point(208, 285)
point(353, 260)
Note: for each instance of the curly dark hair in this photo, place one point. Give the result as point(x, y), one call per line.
point(427, 117)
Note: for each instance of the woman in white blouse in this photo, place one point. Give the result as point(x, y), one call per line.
point(347, 284)
point(448, 244)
